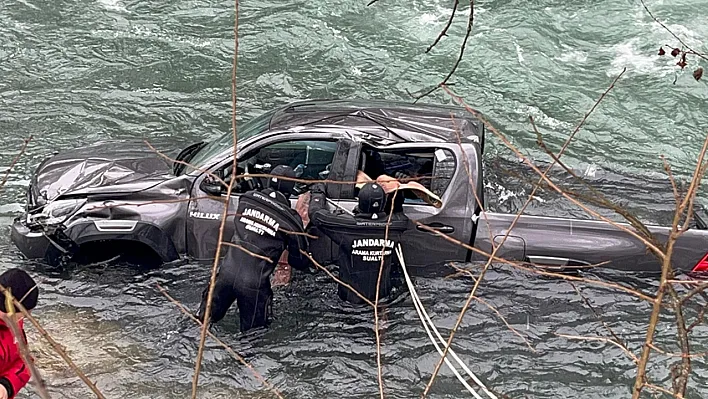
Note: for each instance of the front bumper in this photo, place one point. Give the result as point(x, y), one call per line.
point(35, 244)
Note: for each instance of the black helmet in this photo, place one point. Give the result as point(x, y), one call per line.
point(372, 198)
point(21, 286)
point(283, 186)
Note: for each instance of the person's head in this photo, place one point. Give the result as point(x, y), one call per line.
point(284, 186)
point(372, 198)
point(21, 286)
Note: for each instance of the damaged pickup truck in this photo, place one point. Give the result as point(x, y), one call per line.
point(123, 197)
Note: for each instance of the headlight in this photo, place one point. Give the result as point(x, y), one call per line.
point(62, 208)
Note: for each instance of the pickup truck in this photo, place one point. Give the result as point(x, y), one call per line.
point(123, 197)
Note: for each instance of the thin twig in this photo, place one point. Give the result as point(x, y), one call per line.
point(694, 292)
point(602, 339)
point(250, 253)
point(694, 52)
point(667, 168)
point(597, 316)
point(212, 279)
point(686, 282)
point(336, 279)
point(443, 32)
point(699, 318)
point(56, 346)
point(512, 329)
point(228, 349)
point(665, 353)
point(156, 151)
point(9, 320)
point(520, 266)
point(662, 390)
point(461, 271)
point(470, 22)
point(658, 252)
point(513, 223)
point(15, 159)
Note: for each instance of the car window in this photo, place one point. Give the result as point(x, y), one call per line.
point(311, 160)
point(252, 128)
point(431, 167)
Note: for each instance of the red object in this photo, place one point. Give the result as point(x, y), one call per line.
point(13, 372)
point(702, 265)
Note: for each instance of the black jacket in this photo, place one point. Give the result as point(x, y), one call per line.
point(263, 225)
point(361, 239)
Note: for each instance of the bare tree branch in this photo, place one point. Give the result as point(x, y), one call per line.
point(228, 349)
point(470, 22)
point(662, 390)
point(694, 52)
point(56, 346)
point(669, 354)
point(443, 32)
point(667, 168)
point(212, 279)
point(607, 327)
point(250, 253)
point(14, 160)
point(335, 278)
point(603, 339)
point(512, 329)
point(513, 223)
point(9, 320)
point(667, 273)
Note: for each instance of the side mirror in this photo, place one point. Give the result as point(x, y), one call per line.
point(212, 188)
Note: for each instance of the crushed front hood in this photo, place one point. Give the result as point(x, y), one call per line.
point(106, 167)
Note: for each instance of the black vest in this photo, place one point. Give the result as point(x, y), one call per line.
point(362, 243)
point(261, 221)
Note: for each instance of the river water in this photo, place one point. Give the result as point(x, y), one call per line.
point(74, 72)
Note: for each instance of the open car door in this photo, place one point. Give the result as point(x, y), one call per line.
point(436, 167)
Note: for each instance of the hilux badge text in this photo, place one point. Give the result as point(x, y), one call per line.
point(203, 215)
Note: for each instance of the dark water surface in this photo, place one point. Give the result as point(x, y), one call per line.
point(74, 72)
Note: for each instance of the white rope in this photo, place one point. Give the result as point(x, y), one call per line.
point(340, 207)
point(428, 324)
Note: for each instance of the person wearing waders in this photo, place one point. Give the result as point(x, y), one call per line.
point(264, 224)
point(362, 240)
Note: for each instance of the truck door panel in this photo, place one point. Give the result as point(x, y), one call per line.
point(204, 214)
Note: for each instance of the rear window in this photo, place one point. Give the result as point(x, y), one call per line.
point(431, 167)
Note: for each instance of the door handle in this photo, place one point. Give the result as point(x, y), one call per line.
point(439, 227)
point(556, 262)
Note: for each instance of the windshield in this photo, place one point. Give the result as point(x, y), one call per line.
point(252, 128)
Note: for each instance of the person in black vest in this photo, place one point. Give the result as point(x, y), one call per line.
point(264, 222)
point(361, 238)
